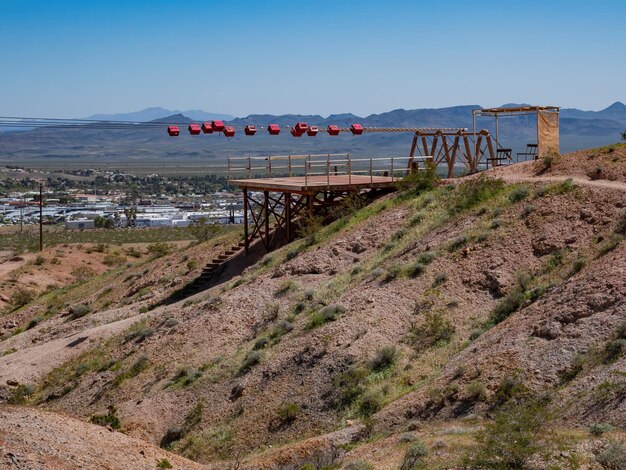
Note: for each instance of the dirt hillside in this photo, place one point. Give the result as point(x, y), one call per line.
point(416, 319)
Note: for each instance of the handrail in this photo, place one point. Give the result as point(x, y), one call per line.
point(324, 165)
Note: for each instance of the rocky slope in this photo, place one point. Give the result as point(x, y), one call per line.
point(415, 314)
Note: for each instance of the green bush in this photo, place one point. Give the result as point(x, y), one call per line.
point(164, 463)
point(436, 330)
point(192, 264)
point(416, 269)
point(110, 419)
point(160, 249)
point(325, 315)
point(39, 260)
point(21, 297)
point(440, 278)
point(384, 358)
point(288, 412)
point(79, 311)
point(114, 259)
point(348, 386)
point(414, 455)
point(516, 434)
point(507, 305)
point(185, 376)
point(475, 391)
point(358, 465)
point(518, 194)
point(613, 350)
point(260, 343)
point(613, 457)
point(251, 360)
point(285, 288)
point(393, 272)
point(21, 394)
point(597, 429)
point(426, 257)
point(610, 244)
point(369, 404)
point(419, 181)
point(473, 192)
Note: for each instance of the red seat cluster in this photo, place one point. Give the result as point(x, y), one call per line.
point(274, 129)
point(194, 129)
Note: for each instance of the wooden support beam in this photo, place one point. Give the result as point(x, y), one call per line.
point(245, 220)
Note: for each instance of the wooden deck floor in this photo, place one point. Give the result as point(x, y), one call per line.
point(298, 184)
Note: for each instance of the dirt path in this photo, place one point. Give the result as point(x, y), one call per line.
point(606, 184)
point(30, 364)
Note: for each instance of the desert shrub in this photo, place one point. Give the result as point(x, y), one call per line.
point(309, 294)
point(164, 463)
point(160, 249)
point(299, 307)
point(369, 404)
point(140, 364)
point(101, 248)
point(419, 181)
point(114, 259)
point(517, 432)
point(209, 444)
point(473, 192)
point(475, 391)
point(21, 394)
point(285, 288)
point(288, 412)
point(325, 315)
point(597, 429)
point(416, 269)
point(613, 350)
point(507, 305)
point(83, 273)
point(138, 332)
point(518, 194)
point(192, 264)
point(548, 160)
point(458, 242)
point(511, 388)
point(384, 358)
point(528, 209)
point(251, 360)
point(282, 328)
point(416, 219)
point(564, 187)
point(436, 330)
point(39, 260)
point(620, 229)
point(21, 297)
point(358, 465)
point(495, 223)
point(613, 457)
point(348, 386)
point(260, 343)
point(578, 265)
point(79, 311)
point(185, 376)
point(414, 455)
point(393, 272)
point(475, 334)
point(202, 230)
point(292, 253)
point(440, 278)
point(108, 420)
point(426, 257)
point(34, 322)
point(133, 252)
point(610, 244)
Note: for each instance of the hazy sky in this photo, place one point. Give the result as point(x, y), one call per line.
point(62, 58)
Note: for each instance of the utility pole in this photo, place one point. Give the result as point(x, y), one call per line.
point(40, 216)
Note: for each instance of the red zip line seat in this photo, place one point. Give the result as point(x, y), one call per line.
point(333, 130)
point(207, 128)
point(194, 129)
point(273, 129)
point(173, 131)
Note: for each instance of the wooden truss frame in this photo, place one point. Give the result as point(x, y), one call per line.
point(449, 146)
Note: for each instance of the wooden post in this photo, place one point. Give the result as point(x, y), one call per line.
point(40, 216)
point(245, 219)
point(266, 210)
point(288, 216)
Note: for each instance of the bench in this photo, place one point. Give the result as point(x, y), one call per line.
point(531, 151)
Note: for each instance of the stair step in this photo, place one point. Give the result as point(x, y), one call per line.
point(217, 261)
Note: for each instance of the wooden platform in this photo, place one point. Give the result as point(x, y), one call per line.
point(314, 184)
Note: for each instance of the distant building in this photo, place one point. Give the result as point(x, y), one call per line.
point(79, 224)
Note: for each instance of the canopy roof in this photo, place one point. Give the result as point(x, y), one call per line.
point(515, 110)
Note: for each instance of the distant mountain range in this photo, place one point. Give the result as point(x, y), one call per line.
point(150, 114)
point(96, 145)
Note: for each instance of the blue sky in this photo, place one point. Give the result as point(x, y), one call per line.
point(62, 58)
